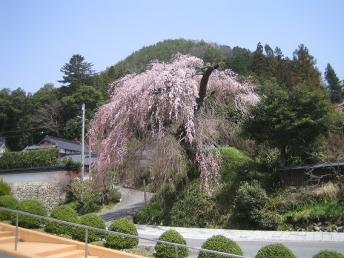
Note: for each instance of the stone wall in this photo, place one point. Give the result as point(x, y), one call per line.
point(50, 194)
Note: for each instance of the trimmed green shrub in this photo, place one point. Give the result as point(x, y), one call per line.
point(32, 206)
point(5, 188)
point(222, 244)
point(328, 254)
point(275, 251)
point(169, 251)
point(29, 159)
point(194, 208)
point(121, 242)
point(92, 220)
point(7, 201)
point(64, 213)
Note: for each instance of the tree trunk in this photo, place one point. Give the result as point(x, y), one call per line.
point(189, 148)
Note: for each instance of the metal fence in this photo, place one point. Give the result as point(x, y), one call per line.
point(105, 231)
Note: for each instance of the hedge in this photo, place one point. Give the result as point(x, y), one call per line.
point(92, 220)
point(7, 201)
point(64, 213)
point(32, 206)
point(328, 254)
point(169, 251)
point(121, 242)
point(29, 159)
point(222, 244)
point(275, 251)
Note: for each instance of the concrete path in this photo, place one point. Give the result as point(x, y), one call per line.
point(303, 244)
point(131, 202)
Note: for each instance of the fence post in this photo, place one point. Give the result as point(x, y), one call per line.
point(86, 242)
point(16, 233)
point(176, 247)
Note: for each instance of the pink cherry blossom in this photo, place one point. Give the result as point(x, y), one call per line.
point(158, 102)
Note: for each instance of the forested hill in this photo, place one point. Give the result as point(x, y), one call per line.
point(25, 118)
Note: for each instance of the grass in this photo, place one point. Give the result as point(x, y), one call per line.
point(106, 207)
point(323, 211)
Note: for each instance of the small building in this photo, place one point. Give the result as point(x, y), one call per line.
point(310, 174)
point(65, 147)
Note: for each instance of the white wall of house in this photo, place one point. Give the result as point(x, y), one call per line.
point(48, 176)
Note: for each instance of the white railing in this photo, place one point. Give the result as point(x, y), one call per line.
point(105, 231)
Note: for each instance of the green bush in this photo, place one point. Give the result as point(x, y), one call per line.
point(275, 251)
point(112, 196)
point(121, 242)
point(32, 206)
point(234, 162)
point(7, 201)
point(194, 208)
point(71, 165)
point(86, 195)
point(268, 220)
point(328, 254)
point(151, 214)
point(29, 159)
point(221, 244)
point(5, 188)
point(169, 251)
point(159, 208)
point(250, 199)
point(64, 213)
point(92, 220)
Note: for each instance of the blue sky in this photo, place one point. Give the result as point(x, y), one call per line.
point(39, 36)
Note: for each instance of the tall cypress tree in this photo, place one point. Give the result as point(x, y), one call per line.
point(333, 85)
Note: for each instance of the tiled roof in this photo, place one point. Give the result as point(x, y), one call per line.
point(62, 143)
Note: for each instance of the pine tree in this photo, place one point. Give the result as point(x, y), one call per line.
point(77, 72)
point(333, 85)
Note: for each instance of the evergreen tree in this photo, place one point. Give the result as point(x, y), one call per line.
point(77, 72)
point(258, 64)
point(304, 68)
point(333, 85)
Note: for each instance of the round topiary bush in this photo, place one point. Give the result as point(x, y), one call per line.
point(328, 254)
point(275, 251)
point(169, 251)
point(121, 242)
point(92, 220)
point(7, 201)
point(5, 188)
point(221, 244)
point(64, 213)
point(32, 206)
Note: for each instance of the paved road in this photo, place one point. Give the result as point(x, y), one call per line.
point(303, 244)
point(131, 202)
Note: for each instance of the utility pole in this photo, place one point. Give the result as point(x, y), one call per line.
point(83, 142)
point(89, 156)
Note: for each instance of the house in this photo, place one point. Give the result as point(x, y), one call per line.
point(65, 147)
point(2, 145)
point(311, 174)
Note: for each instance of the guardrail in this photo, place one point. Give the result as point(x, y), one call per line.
point(106, 231)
